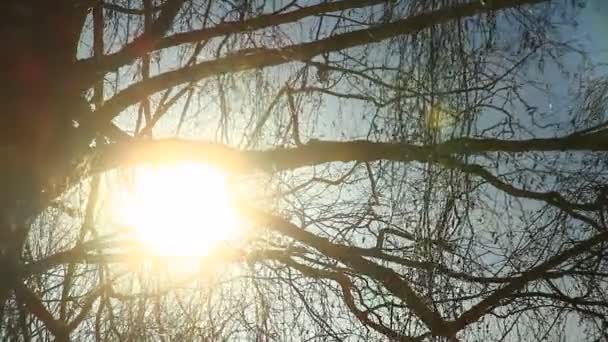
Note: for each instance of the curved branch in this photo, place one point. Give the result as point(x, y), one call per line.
point(481, 308)
point(346, 285)
point(390, 279)
point(124, 56)
point(262, 58)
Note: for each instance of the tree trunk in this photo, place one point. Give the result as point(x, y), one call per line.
point(38, 92)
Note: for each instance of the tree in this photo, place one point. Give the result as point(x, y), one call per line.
point(418, 188)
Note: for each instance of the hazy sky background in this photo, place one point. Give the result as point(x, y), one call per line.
point(594, 25)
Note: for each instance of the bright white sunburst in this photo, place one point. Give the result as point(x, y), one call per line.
point(179, 210)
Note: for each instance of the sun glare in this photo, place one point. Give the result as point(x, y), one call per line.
point(179, 210)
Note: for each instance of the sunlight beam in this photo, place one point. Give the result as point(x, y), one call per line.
point(183, 209)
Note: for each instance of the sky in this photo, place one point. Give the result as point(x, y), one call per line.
point(591, 33)
point(594, 24)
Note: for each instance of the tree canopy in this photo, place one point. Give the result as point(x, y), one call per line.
point(416, 170)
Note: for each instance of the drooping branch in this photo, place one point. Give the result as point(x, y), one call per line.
point(125, 56)
point(298, 52)
point(346, 286)
point(480, 309)
point(390, 279)
point(400, 288)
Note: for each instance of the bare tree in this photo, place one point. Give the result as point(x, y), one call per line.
point(418, 182)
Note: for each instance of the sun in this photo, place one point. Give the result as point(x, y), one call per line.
point(179, 210)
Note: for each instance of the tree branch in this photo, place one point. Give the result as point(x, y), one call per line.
point(481, 308)
point(321, 152)
point(122, 57)
point(390, 279)
point(346, 286)
point(297, 52)
point(35, 306)
point(96, 67)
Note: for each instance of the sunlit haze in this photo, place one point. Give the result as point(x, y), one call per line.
point(178, 210)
